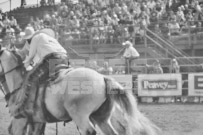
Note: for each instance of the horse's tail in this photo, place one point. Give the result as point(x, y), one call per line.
point(127, 102)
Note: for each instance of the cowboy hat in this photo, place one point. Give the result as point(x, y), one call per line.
point(127, 43)
point(29, 32)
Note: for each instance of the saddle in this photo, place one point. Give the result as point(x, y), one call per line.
point(39, 102)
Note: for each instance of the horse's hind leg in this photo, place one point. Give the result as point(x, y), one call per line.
point(84, 125)
point(102, 118)
point(82, 121)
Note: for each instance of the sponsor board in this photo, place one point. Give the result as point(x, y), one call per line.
point(124, 80)
point(160, 85)
point(195, 84)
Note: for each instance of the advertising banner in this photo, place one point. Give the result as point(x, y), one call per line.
point(195, 84)
point(159, 85)
point(124, 80)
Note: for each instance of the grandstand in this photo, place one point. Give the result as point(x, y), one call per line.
point(98, 38)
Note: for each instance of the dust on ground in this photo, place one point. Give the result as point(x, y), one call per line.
point(173, 119)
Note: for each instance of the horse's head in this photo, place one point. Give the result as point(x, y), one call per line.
point(11, 69)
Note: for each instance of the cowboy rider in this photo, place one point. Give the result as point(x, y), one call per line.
point(49, 52)
point(25, 50)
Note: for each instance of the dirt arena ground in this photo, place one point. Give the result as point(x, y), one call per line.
point(173, 119)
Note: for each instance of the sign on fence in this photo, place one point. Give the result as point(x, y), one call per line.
point(160, 85)
point(124, 80)
point(195, 85)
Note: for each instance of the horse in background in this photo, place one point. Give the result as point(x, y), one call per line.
point(84, 96)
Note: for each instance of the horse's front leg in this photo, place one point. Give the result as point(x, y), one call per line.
point(18, 126)
point(36, 128)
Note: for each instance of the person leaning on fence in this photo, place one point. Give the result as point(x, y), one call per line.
point(51, 55)
point(129, 54)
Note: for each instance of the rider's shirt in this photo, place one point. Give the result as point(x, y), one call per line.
point(42, 45)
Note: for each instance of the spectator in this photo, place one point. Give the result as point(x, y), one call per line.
point(1, 26)
point(18, 30)
point(13, 22)
point(47, 21)
point(155, 68)
point(38, 24)
point(199, 30)
point(10, 37)
point(43, 2)
point(159, 9)
point(174, 67)
point(51, 2)
point(75, 23)
point(130, 53)
point(32, 22)
point(151, 4)
point(174, 28)
point(158, 30)
point(93, 65)
point(10, 31)
point(180, 15)
point(54, 22)
point(6, 21)
point(106, 69)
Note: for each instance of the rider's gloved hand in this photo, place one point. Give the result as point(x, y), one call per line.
point(27, 65)
point(28, 68)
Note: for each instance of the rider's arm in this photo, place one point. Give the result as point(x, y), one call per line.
point(24, 51)
point(33, 48)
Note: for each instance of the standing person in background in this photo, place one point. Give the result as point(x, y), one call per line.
point(129, 54)
point(106, 69)
point(23, 3)
point(93, 65)
point(13, 22)
point(155, 68)
point(174, 67)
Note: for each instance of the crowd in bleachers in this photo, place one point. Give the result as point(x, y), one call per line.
point(113, 21)
point(9, 28)
point(104, 21)
point(183, 17)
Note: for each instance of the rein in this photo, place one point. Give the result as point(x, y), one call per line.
point(2, 75)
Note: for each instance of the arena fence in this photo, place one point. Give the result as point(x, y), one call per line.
point(186, 86)
point(164, 88)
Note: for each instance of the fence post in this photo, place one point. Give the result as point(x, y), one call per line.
point(190, 44)
point(145, 43)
